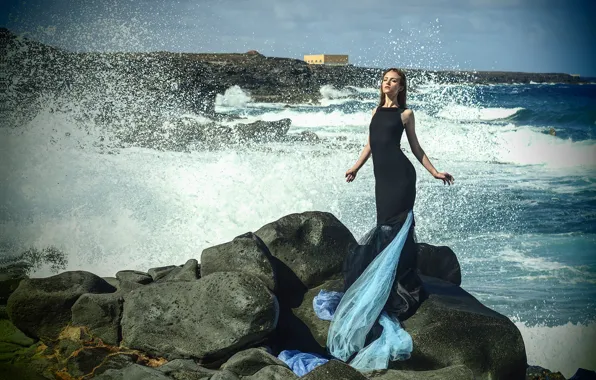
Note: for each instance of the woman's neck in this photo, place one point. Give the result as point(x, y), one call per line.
point(390, 102)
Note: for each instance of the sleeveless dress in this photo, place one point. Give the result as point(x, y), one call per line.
point(395, 194)
point(395, 176)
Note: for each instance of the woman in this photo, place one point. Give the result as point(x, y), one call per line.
point(388, 290)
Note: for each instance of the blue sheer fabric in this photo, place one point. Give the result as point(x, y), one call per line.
point(325, 303)
point(361, 307)
point(301, 363)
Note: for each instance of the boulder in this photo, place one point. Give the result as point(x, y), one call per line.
point(41, 307)
point(309, 249)
point(452, 327)
point(115, 362)
point(186, 369)
point(208, 319)
point(439, 262)
point(224, 375)
point(133, 372)
point(301, 329)
point(333, 370)
point(10, 278)
point(246, 253)
point(251, 361)
point(187, 272)
point(457, 372)
point(86, 360)
point(160, 272)
point(273, 372)
point(263, 131)
point(134, 276)
point(12, 340)
point(101, 314)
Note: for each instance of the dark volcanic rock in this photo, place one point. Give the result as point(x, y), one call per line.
point(246, 253)
point(207, 319)
point(251, 361)
point(187, 272)
point(452, 328)
point(310, 246)
point(332, 370)
point(101, 313)
point(133, 372)
point(134, 276)
point(41, 307)
point(457, 372)
point(10, 277)
point(264, 131)
point(160, 272)
point(438, 262)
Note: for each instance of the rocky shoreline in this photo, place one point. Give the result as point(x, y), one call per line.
point(229, 316)
point(122, 86)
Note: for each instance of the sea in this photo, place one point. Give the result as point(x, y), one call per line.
point(521, 215)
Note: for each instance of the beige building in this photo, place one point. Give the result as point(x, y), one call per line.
point(326, 59)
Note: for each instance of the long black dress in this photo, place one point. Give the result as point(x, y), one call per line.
point(395, 192)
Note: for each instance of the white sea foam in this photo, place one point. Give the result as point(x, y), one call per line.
point(561, 348)
point(465, 113)
point(233, 97)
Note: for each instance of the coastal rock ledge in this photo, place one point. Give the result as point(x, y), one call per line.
point(218, 321)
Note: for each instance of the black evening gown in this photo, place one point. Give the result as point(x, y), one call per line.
point(395, 193)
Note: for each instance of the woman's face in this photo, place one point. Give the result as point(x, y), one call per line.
point(391, 83)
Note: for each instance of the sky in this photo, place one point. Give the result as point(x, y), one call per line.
point(500, 35)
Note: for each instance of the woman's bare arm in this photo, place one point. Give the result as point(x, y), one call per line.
point(410, 125)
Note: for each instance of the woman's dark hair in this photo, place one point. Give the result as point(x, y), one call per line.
point(401, 96)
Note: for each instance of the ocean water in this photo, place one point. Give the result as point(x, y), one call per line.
point(521, 216)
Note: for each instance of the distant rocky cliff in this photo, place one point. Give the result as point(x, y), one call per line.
point(122, 86)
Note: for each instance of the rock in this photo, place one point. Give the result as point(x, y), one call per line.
point(273, 372)
point(439, 262)
point(115, 362)
point(333, 370)
point(134, 276)
point(246, 253)
point(539, 373)
point(224, 375)
point(583, 374)
point(133, 372)
point(160, 272)
point(263, 131)
point(113, 281)
point(251, 361)
point(12, 339)
point(9, 282)
point(302, 328)
point(84, 361)
point(309, 247)
point(127, 286)
point(456, 372)
point(186, 369)
point(41, 307)
point(452, 328)
point(208, 319)
point(306, 136)
point(187, 272)
point(101, 314)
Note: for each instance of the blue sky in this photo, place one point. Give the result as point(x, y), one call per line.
point(508, 35)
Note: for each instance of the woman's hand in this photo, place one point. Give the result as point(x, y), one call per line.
point(351, 174)
point(445, 177)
